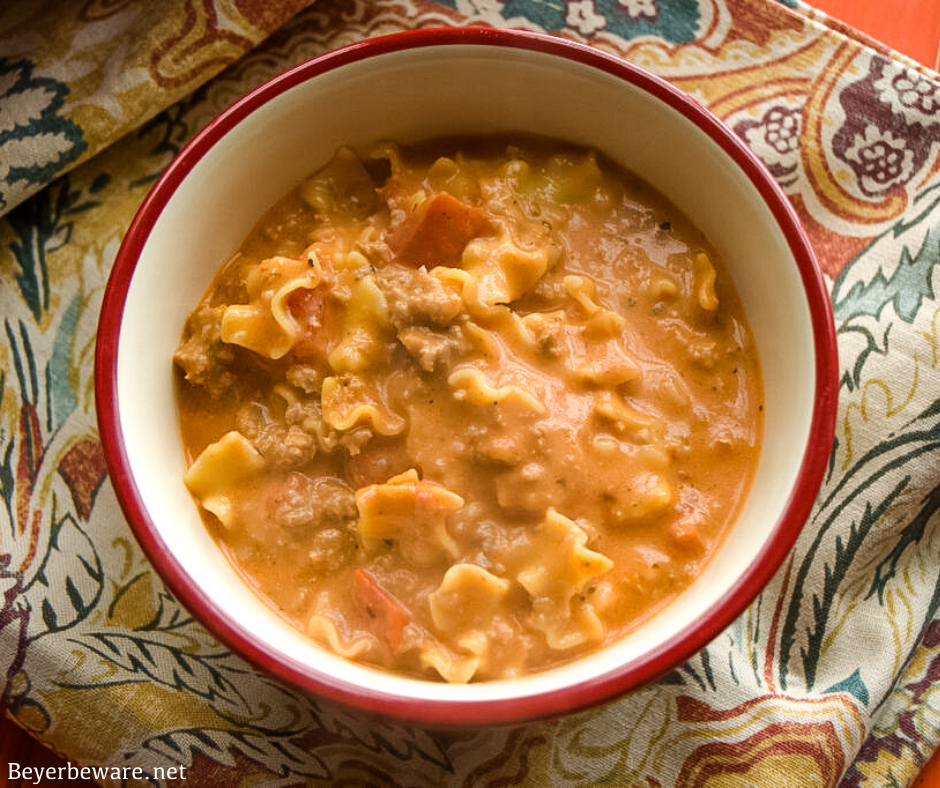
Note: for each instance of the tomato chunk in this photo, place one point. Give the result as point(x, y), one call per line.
point(317, 316)
point(437, 232)
point(386, 614)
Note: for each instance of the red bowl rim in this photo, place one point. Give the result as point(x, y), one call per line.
point(579, 696)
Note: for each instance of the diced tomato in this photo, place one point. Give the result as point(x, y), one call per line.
point(377, 461)
point(309, 310)
point(687, 536)
point(437, 232)
point(387, 617)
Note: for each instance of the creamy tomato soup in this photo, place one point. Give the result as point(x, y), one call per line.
point(470, 409)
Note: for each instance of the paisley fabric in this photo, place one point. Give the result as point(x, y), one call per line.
point(828, 679)
point(75, 75)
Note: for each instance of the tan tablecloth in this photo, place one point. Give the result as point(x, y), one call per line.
point(828, 678)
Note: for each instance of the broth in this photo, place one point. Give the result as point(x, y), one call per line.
point(469, 409)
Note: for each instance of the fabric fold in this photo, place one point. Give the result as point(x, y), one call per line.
point(77, 75)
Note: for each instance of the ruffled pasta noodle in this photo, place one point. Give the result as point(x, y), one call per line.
point(264, 324)
point(470, 409)
point(349, 402)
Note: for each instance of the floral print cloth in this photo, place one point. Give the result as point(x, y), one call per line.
point(828, 679)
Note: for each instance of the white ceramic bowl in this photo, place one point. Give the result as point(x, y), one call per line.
point(409, 87)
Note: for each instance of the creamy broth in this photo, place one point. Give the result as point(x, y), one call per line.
point(470, 409)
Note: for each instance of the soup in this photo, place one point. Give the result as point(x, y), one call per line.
point(469, 409)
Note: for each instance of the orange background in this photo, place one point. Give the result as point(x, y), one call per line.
point(912, 27)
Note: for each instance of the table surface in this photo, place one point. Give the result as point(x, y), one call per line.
point(911, 27)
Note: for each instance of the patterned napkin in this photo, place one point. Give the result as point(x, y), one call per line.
point(76, 75)
point(827, 679)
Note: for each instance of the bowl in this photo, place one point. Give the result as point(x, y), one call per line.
point(413, 86)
